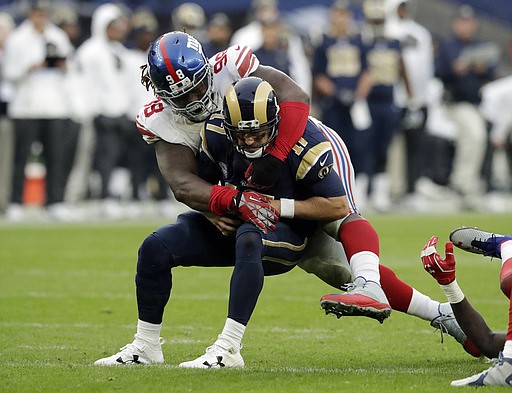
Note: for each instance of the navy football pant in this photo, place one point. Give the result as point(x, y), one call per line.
point(194, 241)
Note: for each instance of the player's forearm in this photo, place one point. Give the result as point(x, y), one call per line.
point(178, 167)
point(364, 85)
point(193, 192)
point(477, 330)
point(315, 208)
point(190, 190)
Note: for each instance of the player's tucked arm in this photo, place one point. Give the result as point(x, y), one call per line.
point(476, 329)
point(178, 166)
point(469, 319)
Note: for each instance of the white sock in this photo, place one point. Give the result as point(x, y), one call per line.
point(506, 251)
point(365, 264)
point(149, 332)
point(422, 306)
point(507, 349)
point(231, 336)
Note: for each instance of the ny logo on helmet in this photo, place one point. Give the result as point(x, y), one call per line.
point(194, 44)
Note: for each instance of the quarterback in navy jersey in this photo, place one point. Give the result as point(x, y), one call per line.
point(308, 169)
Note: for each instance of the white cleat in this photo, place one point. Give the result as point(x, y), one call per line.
point(500, 374)
point(216, 357)
point(137, 352)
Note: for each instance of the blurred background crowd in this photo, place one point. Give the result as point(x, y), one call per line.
point(421, 92)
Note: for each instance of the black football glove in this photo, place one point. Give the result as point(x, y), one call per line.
point(263, 172)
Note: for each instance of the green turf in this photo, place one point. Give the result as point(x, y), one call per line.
point(67, 299)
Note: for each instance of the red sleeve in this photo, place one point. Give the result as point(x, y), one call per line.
point(294, 117)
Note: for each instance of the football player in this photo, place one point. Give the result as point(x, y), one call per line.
point(189, 88)
point(173, 126)
point(491, 344)
point(193, 240)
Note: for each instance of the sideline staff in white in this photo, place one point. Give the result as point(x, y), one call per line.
point(36, 62)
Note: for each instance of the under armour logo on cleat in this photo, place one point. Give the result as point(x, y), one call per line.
point(218, 363)
point(135, 360)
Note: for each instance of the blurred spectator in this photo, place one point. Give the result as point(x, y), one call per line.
point(386, 68)
point(495, 107)
point(35, 61)
point(66, 17)
point(465, 64)
point(219, 34)
point(7, 25)
point(274, 46)
point(251, 35)
point(101, 63)
point(190, 18)
point(418, 55)
point(340, 77)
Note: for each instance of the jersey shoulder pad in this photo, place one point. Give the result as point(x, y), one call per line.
point(156, 121)
point(213, 136)
point(313, 153)
point(145, 118)
point(235, 62)
point(232, 64)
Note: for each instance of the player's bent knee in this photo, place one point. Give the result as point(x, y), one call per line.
point(154, 257)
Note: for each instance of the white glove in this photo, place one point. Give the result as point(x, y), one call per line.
point(360, 114)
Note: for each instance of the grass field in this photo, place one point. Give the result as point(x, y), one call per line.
point(67, 299)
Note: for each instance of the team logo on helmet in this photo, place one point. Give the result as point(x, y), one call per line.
point(181, 76)
point(251, 116)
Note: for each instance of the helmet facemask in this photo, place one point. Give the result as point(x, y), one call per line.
point(251, 139)
point(181, 99)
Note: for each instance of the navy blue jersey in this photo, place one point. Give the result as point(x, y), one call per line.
point(342, 60)
point(307, 171)
point(384, 65)
point(464, 87)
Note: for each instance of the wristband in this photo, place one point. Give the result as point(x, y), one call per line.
point(453, 292)
point(287, 208)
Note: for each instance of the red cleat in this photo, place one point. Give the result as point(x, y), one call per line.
point(364, 298)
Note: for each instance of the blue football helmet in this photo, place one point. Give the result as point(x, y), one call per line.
point(251, 116)
point(181, 76)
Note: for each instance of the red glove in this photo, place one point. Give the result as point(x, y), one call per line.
point(221, 199)
point(443, 270)
point(250, 206)
point(255, 208)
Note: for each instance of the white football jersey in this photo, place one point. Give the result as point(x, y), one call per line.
point(156, 121)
